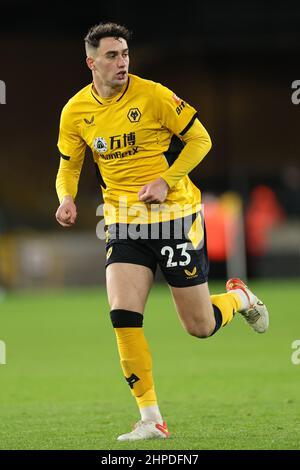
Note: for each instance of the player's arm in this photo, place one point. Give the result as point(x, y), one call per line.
point(72, 151)
point(66, 187)
point(181, 119)
point(197, 145)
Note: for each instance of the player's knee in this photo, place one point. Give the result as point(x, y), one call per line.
point(200, 330)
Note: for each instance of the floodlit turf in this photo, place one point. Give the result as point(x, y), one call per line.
point(62, 386)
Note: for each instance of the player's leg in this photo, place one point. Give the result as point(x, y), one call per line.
point(203, 314)
point(184, 263)
point(128, 286)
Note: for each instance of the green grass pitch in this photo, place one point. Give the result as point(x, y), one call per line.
point(62, 386)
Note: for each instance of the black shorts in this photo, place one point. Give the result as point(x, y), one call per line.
point(178, 246)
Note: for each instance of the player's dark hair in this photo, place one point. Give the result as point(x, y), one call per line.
point(104, 30)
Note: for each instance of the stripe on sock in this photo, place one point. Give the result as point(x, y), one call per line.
point(218, 318)
point(126, 319)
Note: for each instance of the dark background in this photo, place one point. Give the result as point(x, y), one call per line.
point(234, 61)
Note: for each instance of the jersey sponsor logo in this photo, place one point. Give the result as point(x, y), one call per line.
point(117, 141)
point(176, 98)
point(191, 274)
point(134, 115)
point(90, 122)
point(100, 145)
point(116, 145)
point(180, 107)
point(118, 154)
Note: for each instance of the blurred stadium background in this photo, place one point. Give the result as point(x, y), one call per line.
point(234, 61)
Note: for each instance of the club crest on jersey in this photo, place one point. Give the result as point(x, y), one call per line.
point(100, 145)
point(134, 115)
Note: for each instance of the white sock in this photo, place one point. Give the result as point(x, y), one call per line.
point(151, 413)
point(244, 299)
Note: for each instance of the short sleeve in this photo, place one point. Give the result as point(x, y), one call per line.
point(173, 113)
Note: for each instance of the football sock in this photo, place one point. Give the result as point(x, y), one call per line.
point(245, 303)
point(151, 413)
point(225, 306)
point(135, 357)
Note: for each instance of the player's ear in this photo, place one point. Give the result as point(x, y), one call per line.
point(90, 63)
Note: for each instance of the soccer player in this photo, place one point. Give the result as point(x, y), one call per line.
point(152, 208)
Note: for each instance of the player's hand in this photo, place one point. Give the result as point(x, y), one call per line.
point(156, 191)
point(66, 213)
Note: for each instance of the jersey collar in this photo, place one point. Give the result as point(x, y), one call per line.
point(109, 101)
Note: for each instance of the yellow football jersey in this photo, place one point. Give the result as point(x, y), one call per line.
point(129, 135)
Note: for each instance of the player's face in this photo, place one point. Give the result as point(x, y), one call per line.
point(112, 61)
